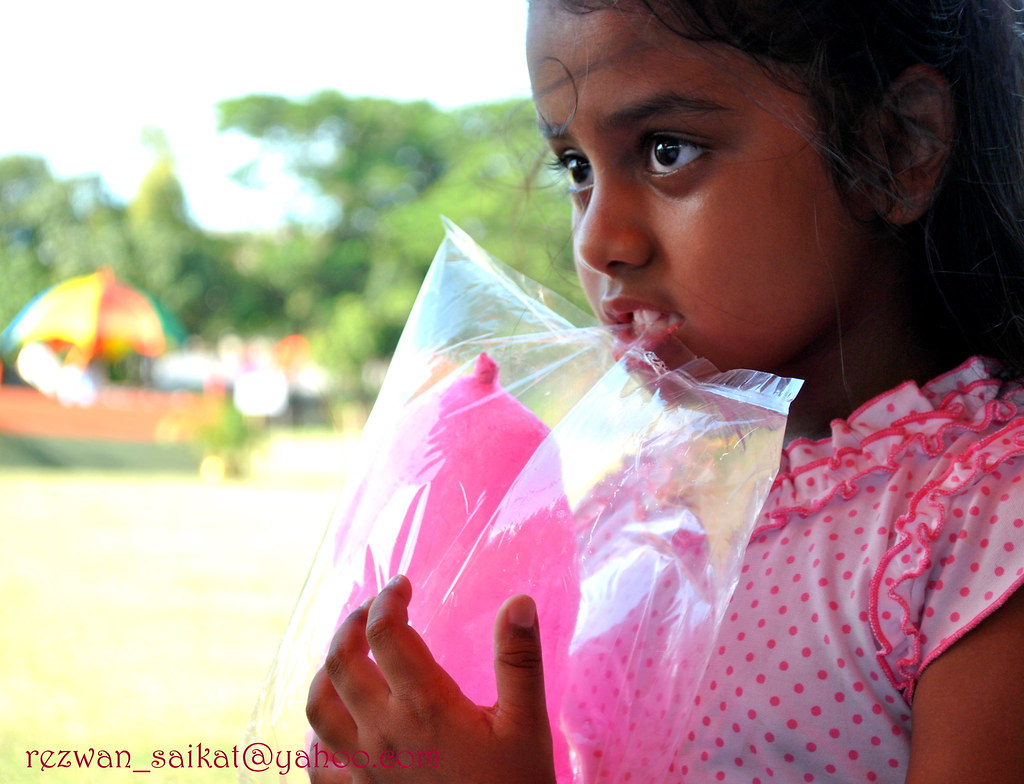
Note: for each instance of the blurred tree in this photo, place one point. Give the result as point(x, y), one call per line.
point(360, 155)
point(357, 158)
point(191, 272)
point(52, 229)
point(160, 198)
point(386, 172)
point(161, 232)
point(500, 191)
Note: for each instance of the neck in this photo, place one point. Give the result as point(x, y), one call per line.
point(855, 370)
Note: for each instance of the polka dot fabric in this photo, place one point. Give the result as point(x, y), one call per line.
point(880, 547)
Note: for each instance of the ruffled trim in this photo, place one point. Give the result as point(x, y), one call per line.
point(874, 441)
point(922, 525)
point(968, 403)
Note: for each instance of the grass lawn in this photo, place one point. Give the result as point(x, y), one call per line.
point(142, 612)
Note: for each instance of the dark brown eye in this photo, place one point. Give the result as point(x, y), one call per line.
point(579, 170)
point(669, 153)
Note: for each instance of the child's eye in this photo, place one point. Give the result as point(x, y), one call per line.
point(576, 167)
point(668, 153)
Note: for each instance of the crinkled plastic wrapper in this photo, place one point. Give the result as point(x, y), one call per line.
point(516, 448)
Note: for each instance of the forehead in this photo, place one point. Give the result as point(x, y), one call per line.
point(625, 49)
point(577, 43)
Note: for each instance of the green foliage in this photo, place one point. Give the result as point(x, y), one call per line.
point(52, 229)
point(361, 154)
point(380, 175)
point(390, 171)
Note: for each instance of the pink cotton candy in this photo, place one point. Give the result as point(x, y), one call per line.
point(645, 623)
point(467, 501)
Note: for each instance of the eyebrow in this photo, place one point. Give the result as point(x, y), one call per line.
point(653, 106)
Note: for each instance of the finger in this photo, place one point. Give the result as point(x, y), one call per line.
point(402, 655)
point(356, 679)
point(328, 716)
point(518, 667)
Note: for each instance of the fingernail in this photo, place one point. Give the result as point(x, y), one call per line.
point(523, 613)
point(393, 582)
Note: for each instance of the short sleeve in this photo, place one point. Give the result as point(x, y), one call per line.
point(956, 555)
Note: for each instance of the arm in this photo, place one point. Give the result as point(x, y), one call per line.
point(968, 712)
point(406, 702)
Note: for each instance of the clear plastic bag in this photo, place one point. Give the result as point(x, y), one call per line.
point(514, 448)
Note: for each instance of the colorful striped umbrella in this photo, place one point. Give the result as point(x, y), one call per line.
point(95, 316)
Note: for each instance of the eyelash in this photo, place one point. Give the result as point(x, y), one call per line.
point(563, 163)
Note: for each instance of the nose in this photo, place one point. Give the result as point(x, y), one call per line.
point(611, 233)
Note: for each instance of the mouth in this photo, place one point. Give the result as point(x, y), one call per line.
point(650, 331)
point(638, 324)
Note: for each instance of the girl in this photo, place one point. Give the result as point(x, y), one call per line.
point(821, 189)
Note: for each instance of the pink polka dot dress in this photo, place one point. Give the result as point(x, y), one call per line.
point(879, 548)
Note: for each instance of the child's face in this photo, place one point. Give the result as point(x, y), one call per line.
point(700, 207)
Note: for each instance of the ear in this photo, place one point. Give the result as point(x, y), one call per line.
point(917, 134)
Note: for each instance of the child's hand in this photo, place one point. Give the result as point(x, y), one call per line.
point(404, 719)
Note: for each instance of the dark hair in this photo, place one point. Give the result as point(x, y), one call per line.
point(846, 53)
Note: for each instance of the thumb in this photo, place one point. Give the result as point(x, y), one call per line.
point(517, 662)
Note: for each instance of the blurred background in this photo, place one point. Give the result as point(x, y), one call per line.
point(214, 218)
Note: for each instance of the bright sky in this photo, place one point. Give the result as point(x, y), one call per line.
point(82, 79)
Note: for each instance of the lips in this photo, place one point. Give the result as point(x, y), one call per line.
point(640, 325)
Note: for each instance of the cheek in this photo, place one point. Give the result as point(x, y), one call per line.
point(778, 237)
